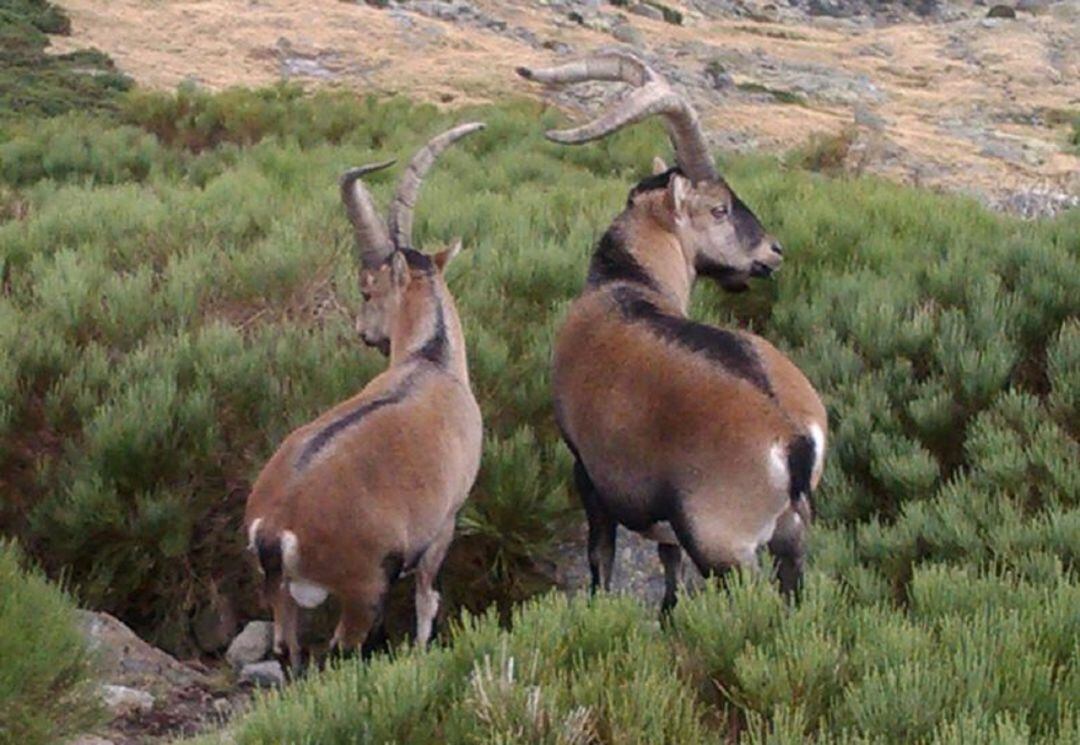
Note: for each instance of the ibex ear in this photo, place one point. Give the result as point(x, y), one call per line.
point(658, 166)
point(680, 191)
point(443, 257)
point(399, 269)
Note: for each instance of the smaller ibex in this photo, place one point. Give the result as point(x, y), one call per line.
point(370, 490)
point(704, 439)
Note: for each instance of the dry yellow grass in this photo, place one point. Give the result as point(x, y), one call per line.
point(927, 87)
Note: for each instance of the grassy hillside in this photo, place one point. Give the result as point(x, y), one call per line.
point(45, 679)
point(33, 82)
point(176, 279)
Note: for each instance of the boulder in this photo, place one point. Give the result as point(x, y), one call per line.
point(647, 11)
point(251, 645)
point(126, 660)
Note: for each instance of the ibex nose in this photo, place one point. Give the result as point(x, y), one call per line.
point(777, 248)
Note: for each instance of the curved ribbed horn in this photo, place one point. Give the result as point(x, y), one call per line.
point(653, 96)
point(372, 241)
point(401, 209)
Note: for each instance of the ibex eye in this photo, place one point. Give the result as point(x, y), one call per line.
point(719, 212)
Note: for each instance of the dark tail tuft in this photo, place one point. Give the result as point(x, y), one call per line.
point(800, 466)
point(268, 550)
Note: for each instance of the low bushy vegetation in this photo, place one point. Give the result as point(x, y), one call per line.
point(33, 82)
point(46, 689)
point(177, 281)
point(973, 657)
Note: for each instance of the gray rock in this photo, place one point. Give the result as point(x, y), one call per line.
point(1001, 11)
point(1036, 203)
point(122, 701)
point(251, 645)
point(719, 79)
point(263, 674)
point(125, 659)
point(864, 117)
point(647, 11)
point(637, 570)
point(830, 8)
point(627, 34)
point(1033, 6)
point(556, 46)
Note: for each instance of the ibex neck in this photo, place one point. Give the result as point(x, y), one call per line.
point(638, 248)
point(428, 330)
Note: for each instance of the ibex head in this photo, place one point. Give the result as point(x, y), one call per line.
point(718, 232)
point(390, 268)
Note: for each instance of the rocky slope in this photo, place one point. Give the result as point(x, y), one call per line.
point(930, 92)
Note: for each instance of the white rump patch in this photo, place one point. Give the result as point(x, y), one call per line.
point(819, 448)
point(778, 468)
point(253, 530)
point(307, 594)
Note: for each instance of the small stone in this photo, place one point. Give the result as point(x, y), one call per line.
point(251, 645)
point(1001, 11)
point(122, 701)
point(719, 79)
point(263, 674)
point(627, 34)
point(864, 117)
point(556, 46)
point(1033, 6)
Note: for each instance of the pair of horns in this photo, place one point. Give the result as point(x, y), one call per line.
point(653, 95)
point(376, 240)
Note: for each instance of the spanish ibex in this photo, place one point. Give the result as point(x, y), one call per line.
point(370, 490)
point(695, 436)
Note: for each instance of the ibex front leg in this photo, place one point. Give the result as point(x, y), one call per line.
point(427, 571)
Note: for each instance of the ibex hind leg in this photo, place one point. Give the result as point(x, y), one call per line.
point(601, 530)
point(287, 648)
point(361, 612)
point(788, 549)
point(710, 563)
point(671, 558)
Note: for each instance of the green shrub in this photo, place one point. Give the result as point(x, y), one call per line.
point(995, 661)
point(172, 308)
point(35, 83)
point(46, 688)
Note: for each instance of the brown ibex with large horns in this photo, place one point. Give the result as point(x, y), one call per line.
point(698, 437)
point(371, 489)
